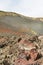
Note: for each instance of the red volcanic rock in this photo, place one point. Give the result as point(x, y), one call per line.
point(20, 62)
point(27, 59)
point(26, 45)
point(25, 62)
point(33, 54)
point(29, 56)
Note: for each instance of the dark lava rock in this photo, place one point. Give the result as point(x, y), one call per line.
point(5, 62)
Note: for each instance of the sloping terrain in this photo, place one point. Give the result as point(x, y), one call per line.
point(20, 23)
point(21, 39)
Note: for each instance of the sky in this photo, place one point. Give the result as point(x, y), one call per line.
point(32, 8)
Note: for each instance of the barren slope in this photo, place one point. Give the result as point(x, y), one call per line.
point(20, 23)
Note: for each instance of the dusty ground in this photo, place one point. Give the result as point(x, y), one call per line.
point(21, 50)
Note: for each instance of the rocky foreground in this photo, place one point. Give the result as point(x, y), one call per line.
point(21, 50)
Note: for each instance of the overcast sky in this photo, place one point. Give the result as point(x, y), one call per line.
point(33, 8)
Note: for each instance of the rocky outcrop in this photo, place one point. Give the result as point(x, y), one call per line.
point(18, 50)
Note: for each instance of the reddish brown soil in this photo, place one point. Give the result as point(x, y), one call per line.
point(3, 30)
